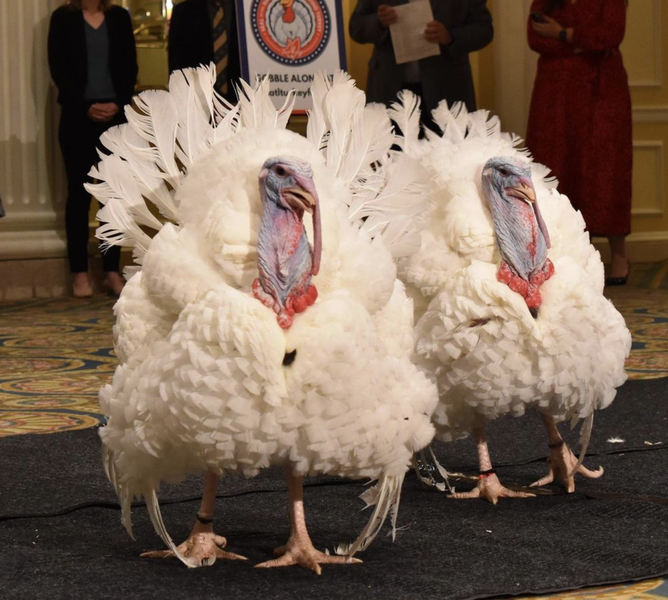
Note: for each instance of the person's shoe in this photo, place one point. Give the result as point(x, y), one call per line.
point(611, 281)
point(81, 286)
point(114, 283)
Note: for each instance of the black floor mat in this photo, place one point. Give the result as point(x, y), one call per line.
point(612, 529)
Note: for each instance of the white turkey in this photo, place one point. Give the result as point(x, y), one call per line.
point(510, 311)
point(228, 363)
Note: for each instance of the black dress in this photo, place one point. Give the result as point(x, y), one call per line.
point(78, 135)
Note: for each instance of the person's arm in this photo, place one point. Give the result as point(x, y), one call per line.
point(543, 44)
point(177, 39)
point(475, 32)
point(62, 72)
point(605, 34)
point(130, 67)
point(365, 26)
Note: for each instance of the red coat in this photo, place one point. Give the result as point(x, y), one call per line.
point(580, 117)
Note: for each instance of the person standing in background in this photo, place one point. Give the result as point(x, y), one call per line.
point(459, 27)
point(203, 32)
point(93, 62)
point(580, 116)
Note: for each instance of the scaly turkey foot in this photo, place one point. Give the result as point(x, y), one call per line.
point(303, 553)
point(562, 462)
point(490, 488)
point(200, 548)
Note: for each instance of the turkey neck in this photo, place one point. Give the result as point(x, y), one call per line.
point(284, 254)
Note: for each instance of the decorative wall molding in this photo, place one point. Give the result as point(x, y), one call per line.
point(650, 114)
point(31, 172)
point(656, 147)
point(656, 46)
point(17, 245)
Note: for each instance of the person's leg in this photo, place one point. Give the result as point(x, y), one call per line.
point(72, 143)
point(619, 262)
point(111, 256)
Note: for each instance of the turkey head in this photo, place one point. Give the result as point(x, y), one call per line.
point(285, 259)
point(520, 230)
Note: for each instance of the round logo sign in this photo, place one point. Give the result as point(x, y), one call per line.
point(292, 32)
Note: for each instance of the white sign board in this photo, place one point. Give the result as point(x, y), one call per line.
point(289, 41)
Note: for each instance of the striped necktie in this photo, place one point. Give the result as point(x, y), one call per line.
point(220, 49)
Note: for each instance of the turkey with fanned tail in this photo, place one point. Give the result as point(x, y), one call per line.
point(247, 335)
point(508, 291)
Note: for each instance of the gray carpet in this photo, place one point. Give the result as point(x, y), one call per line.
point(62, 538)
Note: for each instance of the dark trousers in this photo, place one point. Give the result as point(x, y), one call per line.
point(78, 137)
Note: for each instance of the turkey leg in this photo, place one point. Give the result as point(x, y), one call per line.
point(562, 461)
point(203, 546)
point(489, 486)
point(300, 550)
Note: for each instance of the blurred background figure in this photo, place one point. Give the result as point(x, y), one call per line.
point(205, 31)
point(580, 116)
point(459, 27)
point(93, 63)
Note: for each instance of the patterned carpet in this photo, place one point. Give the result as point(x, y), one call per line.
point(55, 354)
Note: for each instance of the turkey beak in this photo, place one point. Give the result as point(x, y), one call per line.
point(307, 195)
point(525, 191)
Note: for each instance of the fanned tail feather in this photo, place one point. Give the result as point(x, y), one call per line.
point(126, 144)
point(341, 104)
point(164, 136)
point(316, 129)
point(385, 497)
point(452, 121)
point(119, 228)
point(193, 93)
point(394, 207)
point(156, 120)
point(257, 110)
point(370, 140)
point(406, 114)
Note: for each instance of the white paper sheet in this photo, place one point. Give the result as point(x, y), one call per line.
point(408, 32)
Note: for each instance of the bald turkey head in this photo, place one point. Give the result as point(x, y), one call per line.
point(520, 230)
point(285, 259)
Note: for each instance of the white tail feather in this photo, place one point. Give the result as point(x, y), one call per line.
point(124, 496)
point(317, 128)
point(452, 121)
point(385, 497)
point(156, 120)
point(153, 507)
point(406, 114)
point(370, 139)
point(585, 438)
point(340, 105)
point(257, 110)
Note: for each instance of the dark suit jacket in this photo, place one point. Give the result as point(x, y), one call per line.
point(68, 61)
point(190, 42)
point(447, 76)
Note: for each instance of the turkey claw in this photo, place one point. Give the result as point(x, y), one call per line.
point(305, 556)
point(562, 463)
point(200, 549)
point(490, 489)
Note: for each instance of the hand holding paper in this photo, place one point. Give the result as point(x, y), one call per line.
point(410, 30)
point(437, 33)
